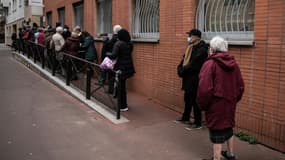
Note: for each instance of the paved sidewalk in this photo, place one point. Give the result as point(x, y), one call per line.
point(38, 121)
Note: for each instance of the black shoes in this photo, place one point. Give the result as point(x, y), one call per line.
point(182, 120)
point(228, 157)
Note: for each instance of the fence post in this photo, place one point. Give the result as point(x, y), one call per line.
point(53, 59)
point(42, 56)
point(88, 82)
point(68, 71)
point(117, 92)
point(28, 48)
point(34, 50)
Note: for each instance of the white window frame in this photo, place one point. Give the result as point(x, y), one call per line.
point(146, 20)
point(104, 16)
point(237, 36)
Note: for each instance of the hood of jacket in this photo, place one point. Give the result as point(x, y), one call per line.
point(224, 60)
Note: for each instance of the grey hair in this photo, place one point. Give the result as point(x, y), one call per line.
point(218, 44)
point(76, 28)
point(74, 35)
point(116, 29)
point(59, 29)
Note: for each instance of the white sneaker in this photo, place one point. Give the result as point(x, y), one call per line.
point(124, 109)
point(193, 127)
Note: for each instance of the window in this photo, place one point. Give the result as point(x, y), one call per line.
point(10, 8)
point(14, 5)
point(231, 19)
point(20, 3)
point(26, 2)
point(146, 19)
point(49, 18)
point(61, 15)
point(104, 16)
point(78, 15)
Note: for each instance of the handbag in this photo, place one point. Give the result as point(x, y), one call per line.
point(108, 63)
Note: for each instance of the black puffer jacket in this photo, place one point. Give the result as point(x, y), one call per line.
point(190, 72)
point(122, 50)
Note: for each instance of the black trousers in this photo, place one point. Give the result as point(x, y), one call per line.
point(190, 101)
point(123, 94)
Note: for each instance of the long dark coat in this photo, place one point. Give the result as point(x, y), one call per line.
point(190, 72)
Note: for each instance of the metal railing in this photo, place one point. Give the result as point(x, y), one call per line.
point(78, 73)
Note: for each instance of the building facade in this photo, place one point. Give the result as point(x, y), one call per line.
point(21, 13)
point(254, 29)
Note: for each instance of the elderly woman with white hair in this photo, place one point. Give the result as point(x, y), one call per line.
point(57, 39)
point(220, 88)
point(57, 43)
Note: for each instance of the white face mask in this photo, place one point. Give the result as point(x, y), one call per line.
point(64, 29)
point(189, 39)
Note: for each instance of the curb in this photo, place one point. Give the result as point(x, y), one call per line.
point(94, 104)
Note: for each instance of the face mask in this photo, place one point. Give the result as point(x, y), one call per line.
point(64, 30)
point(189, 39)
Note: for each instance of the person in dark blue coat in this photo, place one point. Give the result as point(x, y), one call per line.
point(122, 51)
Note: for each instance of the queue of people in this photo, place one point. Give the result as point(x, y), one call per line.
point(211, 78)
point(80, 44)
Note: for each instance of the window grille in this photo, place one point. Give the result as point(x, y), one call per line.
point(146, 19)
point(78, 15)
point(231, 19)
point(104, 16)
point(61, 15)
point(49, 18)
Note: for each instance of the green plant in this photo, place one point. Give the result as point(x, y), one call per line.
point(246, 137)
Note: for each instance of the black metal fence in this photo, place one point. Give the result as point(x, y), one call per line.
point(87, 77)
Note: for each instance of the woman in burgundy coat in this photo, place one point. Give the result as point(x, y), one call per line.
point(220, 89)
point(72, 46)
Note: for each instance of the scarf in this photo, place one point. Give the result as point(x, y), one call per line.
point(187, 56)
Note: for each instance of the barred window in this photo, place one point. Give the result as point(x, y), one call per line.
point(231, 19)
point(78, 15)
point(104, 16)
point(146, 19)
point(61, 15)
point(49, 18)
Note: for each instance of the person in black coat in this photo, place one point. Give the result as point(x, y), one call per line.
point(66, 33)
point(122, 51)
point(14, 39)
point(21, 42)
point(188, 70)
point(108, 45)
